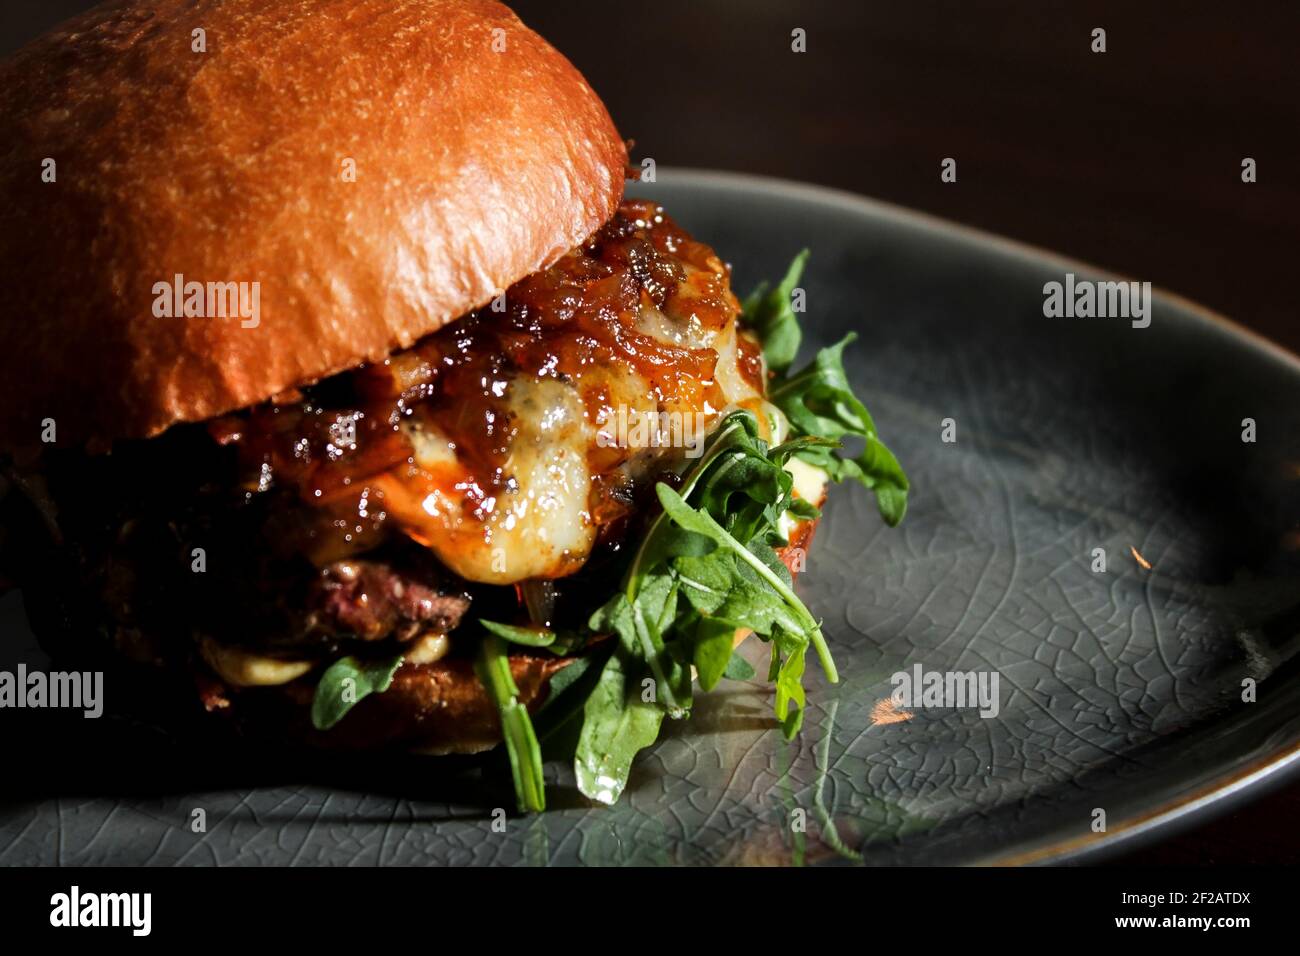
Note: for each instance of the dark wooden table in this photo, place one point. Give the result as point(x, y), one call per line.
point(1128, 159)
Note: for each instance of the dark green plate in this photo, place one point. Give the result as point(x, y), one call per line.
point(1120, 691)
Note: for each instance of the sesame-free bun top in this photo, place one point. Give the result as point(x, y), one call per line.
point(378, 167)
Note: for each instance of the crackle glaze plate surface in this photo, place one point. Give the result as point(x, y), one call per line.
point(1120, 690)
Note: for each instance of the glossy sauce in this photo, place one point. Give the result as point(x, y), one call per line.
point(480, 442)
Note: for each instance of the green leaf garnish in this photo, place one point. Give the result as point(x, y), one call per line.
point(738, 668)
point(705, 568)
point(756, 607)
point(770, 315)
point(559, 643)
point(347, 681)
point(525, 636)
point(819, 402)
point(493, 668)
point(617, 722)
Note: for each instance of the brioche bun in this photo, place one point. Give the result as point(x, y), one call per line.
point(479, 156)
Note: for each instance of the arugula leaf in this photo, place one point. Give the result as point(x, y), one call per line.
point(567, 692)
point(617, 723)
point(714, 639)
point(347, 681)
point(493, 668)
point(704, 569)
point(789, 678)
point(770, 315)
point(565, 678)
point(819, 402)
point(559, 643)
point(662, 539)
point(804, 510)
point(702, 523)
point(748, 489)
point(738, 668)
point(525, 636)
point(640, 623)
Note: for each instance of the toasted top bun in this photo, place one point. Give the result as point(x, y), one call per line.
point(378, 167)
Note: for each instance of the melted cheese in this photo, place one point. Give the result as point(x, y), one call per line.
point(809, 484)
point(242, 668)
point(488, 441)
point(539, 524)
point(428, 648)
point(536, 526)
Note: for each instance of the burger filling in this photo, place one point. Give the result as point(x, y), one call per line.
point(516, 469)
point(507, 442)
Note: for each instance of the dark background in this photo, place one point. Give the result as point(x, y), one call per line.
point(1130, 160)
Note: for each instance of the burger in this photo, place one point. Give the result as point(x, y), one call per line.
point(344, 384)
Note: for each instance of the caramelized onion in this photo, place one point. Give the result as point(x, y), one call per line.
point(516, 406)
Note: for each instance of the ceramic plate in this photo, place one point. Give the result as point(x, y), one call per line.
point(1124, 691)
